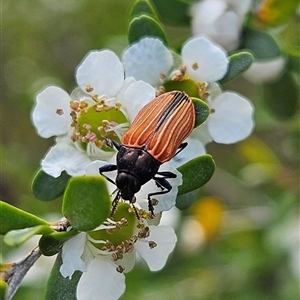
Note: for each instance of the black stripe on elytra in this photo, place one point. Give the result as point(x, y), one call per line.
point(179, 97)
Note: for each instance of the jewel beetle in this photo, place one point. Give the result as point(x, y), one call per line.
point(155, 136)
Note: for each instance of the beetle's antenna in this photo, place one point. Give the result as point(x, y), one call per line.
point(116, 201)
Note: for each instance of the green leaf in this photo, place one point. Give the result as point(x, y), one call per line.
point(282, 96)
point(20, 236)
point(238, 64)
point(60, 288)
point(86, 202)
point(46, 187)
point(3, 288)
point(144, 26)
point(51, 244)
point(262, 45)
point(173, 12)
point(12, 218)
point(294, 61)
point(202, 111)
point(186, 200)
point(195, 173)
point(142, 7)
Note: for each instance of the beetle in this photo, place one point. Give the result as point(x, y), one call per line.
point(155, 136)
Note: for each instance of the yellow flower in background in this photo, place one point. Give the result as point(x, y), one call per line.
point(208, 212)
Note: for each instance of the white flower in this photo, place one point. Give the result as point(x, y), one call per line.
point(103, 266)
point(203, 62)
point(149, 60)
point(103, 105)
point(231, 118)
point(221, 20)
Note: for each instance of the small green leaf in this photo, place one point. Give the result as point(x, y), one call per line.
point(186, 200)
point(202, 111)
point(51, 244)
point(12, 218)
point(144, 26)
point(46, 187)
point(3, 288)
point(262, 45)
point(143, 7)
point(173, 12)
point(20, 236)
point(282, 96)
point(238, 64)
point(86, 202)
point(294, 61)
point(195, 173)
point(59, 287)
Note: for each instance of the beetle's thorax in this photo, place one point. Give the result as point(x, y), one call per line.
point(137, 163)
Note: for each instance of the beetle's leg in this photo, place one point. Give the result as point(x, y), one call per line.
point(107, 168)
point(163, 184)
point(112, 143)
point(164, 175)
point(181, 147)
point(135, 211)
point(115, 202)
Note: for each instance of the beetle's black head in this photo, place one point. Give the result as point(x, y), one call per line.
point(128, 185)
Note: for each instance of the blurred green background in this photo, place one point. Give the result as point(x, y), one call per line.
point(239, 241)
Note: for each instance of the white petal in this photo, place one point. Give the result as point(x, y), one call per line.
point(127, 82)
point(202, 134)
point(240, 7)
point(214, 90)
point(101, 281)
point(93, 169)
point(212, 19)
point(205, 61)
point(171, 218)
point(193, 149)
point(45, 116)
point(205, 14)
point(135, 97)
point(232, 120)
point(264, 71)
point(65, 157)
point(147, 60)
point(165, 201)
point(72, 251)
point(128, 261)
point(165, 238)
point(228, 28)
point(220, 20)
point(103, 71)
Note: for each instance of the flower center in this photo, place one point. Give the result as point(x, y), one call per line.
point(118, 236)
point(188, 86)
point(93, 123)
point(119, 232)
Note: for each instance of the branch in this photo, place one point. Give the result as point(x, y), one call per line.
point(17, 272)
